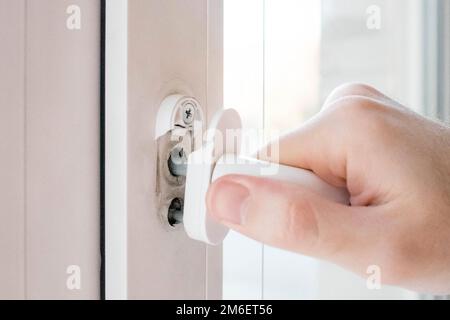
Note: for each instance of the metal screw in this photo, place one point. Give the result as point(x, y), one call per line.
point(188, 113)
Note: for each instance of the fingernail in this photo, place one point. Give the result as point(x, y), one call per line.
point(226, 201)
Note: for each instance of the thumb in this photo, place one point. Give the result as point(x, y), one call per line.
point(287, 216)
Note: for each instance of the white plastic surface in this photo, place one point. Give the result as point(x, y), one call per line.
point(170, 114)
point(218, 158)
point(230, 164)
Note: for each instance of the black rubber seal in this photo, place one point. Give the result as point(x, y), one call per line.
point(102, 145)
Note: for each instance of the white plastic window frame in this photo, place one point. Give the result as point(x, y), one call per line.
point(116, 83)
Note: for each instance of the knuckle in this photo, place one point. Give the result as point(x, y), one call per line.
point(362, 115)
point(351, 89)
point(356, 105)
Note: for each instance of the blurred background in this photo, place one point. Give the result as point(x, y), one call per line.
point(282, 59)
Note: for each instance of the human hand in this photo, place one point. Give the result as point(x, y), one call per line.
point(396, 167)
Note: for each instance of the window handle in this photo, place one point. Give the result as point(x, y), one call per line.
point(217, 158)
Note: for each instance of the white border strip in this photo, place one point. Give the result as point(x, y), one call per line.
point(116, 149)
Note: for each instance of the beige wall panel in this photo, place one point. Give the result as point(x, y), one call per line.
point(62, 147)
point(12, 245)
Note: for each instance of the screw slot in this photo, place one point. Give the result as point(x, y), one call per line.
point(175, 212)
point(188, 113)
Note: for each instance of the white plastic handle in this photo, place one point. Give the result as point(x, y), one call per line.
point(217, 159)
point(231, 164)
point(197, 222)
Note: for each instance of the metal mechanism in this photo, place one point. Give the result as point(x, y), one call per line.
point(177, 162)
point(175, 213)
point(179, 125)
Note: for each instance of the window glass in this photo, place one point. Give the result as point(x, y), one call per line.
point(282, 59)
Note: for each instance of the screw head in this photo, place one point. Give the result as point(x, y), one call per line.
point(188, 113)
